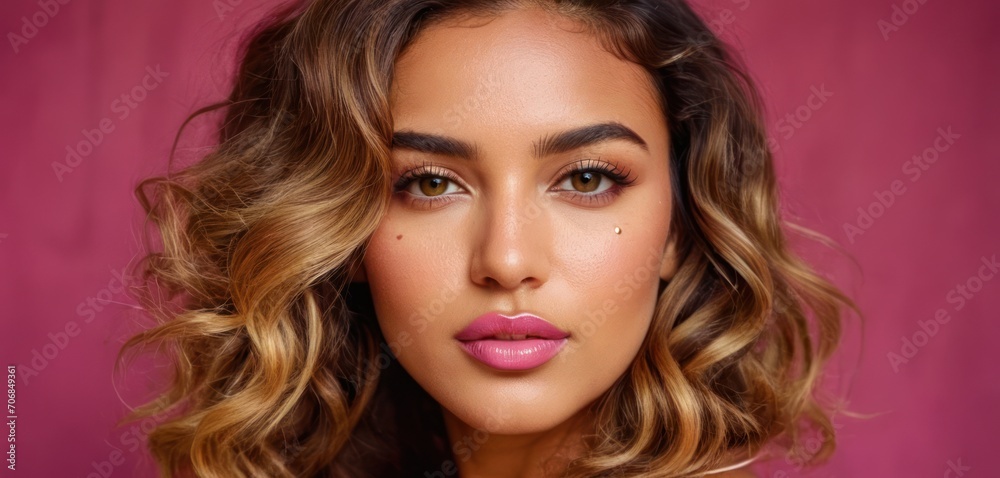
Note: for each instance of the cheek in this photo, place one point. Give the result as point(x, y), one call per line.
point(614, 282)
point(617, 267)
point(411, 279)
point(616, 303)
point(388, 262)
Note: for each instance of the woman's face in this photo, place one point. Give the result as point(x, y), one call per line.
point(507, 202)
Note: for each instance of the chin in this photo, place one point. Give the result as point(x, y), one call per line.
point(515, 419)
point(513, 408)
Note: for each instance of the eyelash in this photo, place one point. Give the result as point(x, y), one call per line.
point(620, 177)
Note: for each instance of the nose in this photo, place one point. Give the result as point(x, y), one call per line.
point(511, 235)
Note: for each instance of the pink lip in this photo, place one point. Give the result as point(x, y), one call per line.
point(481, 339)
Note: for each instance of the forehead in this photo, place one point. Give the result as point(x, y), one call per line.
point(524, 70)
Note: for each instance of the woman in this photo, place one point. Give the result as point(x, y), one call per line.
point(480, 238)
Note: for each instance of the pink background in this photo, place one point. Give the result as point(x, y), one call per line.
point(64, 238)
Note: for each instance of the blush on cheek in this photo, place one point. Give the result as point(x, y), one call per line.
point(414, 291)
point(629, 291)
point(389, 253)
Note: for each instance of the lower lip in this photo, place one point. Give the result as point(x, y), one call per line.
point(513, 354)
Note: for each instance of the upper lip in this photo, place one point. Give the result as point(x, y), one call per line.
point(500, 326)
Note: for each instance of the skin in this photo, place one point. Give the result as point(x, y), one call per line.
point(512, 233)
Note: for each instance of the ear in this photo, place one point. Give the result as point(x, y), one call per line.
point(668, 264)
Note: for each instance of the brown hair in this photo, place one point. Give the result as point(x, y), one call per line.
point(279, 367)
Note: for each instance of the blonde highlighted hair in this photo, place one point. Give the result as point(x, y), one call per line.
point(278, 366)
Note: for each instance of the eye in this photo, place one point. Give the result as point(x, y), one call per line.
point(595, 181)
point(590, 181)
point(429, 185)
point(587, 182)
point(426, 185)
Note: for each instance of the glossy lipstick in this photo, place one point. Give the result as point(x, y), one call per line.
point(519, 342)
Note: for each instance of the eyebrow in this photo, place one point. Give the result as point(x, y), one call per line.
point(561, 142)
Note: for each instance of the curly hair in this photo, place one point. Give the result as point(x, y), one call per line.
point(278, 365)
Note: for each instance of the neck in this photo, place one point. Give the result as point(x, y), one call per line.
point(543, 454)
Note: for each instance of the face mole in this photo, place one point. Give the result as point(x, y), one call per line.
point(399, 236)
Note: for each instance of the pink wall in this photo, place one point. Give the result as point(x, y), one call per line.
point(65, 237)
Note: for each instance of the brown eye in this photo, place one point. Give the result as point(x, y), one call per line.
point(427, 184)
point(433, 185)
point(594, 182)
point(586, 181)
